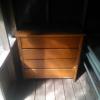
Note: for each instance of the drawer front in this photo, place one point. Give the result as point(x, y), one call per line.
point(49, 53)
point(48, 73)
point(50, 42)
point(49, 64)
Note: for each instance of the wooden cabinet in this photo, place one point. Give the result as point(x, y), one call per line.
point(49, 55)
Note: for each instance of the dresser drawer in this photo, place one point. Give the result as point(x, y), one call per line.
point(49, 64)
point(48, 73)
point(51, 42)
point(49, 53)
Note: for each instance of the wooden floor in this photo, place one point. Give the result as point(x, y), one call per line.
point(53, 89)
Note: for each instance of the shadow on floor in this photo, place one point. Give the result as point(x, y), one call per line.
point(22, 89)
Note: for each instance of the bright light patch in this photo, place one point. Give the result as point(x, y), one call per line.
point(1, 95)
point(29, 97)
point(50, 96)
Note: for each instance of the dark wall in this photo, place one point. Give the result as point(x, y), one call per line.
point(53, 14)
point(66, 11)
point(68, 15)
point(8, 16)
point(93, 17)
point(30, 10)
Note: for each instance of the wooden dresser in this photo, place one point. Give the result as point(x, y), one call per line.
point(49, 55)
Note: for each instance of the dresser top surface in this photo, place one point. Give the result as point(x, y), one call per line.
point(45, 34)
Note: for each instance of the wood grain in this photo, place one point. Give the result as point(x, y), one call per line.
point(78, 56)
point(49, 64)
point(50, 95)
point(59, 90)
point(40, 91)
point(68, 88)
point(19, 47)
point(37, 89)
point(28, 33)
point(49, 53)
point(50, 42)
point(87, 87)
point(78, 90)
point(48, 73)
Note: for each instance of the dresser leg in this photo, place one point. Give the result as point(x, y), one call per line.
point(75, 73)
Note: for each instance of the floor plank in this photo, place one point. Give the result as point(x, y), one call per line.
point(50, 90)
point(79, 94)
point(86, 86)
point(40, 91)
point(22, 90)
point(59, 89)
point(69, 93)
point(31, 96)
